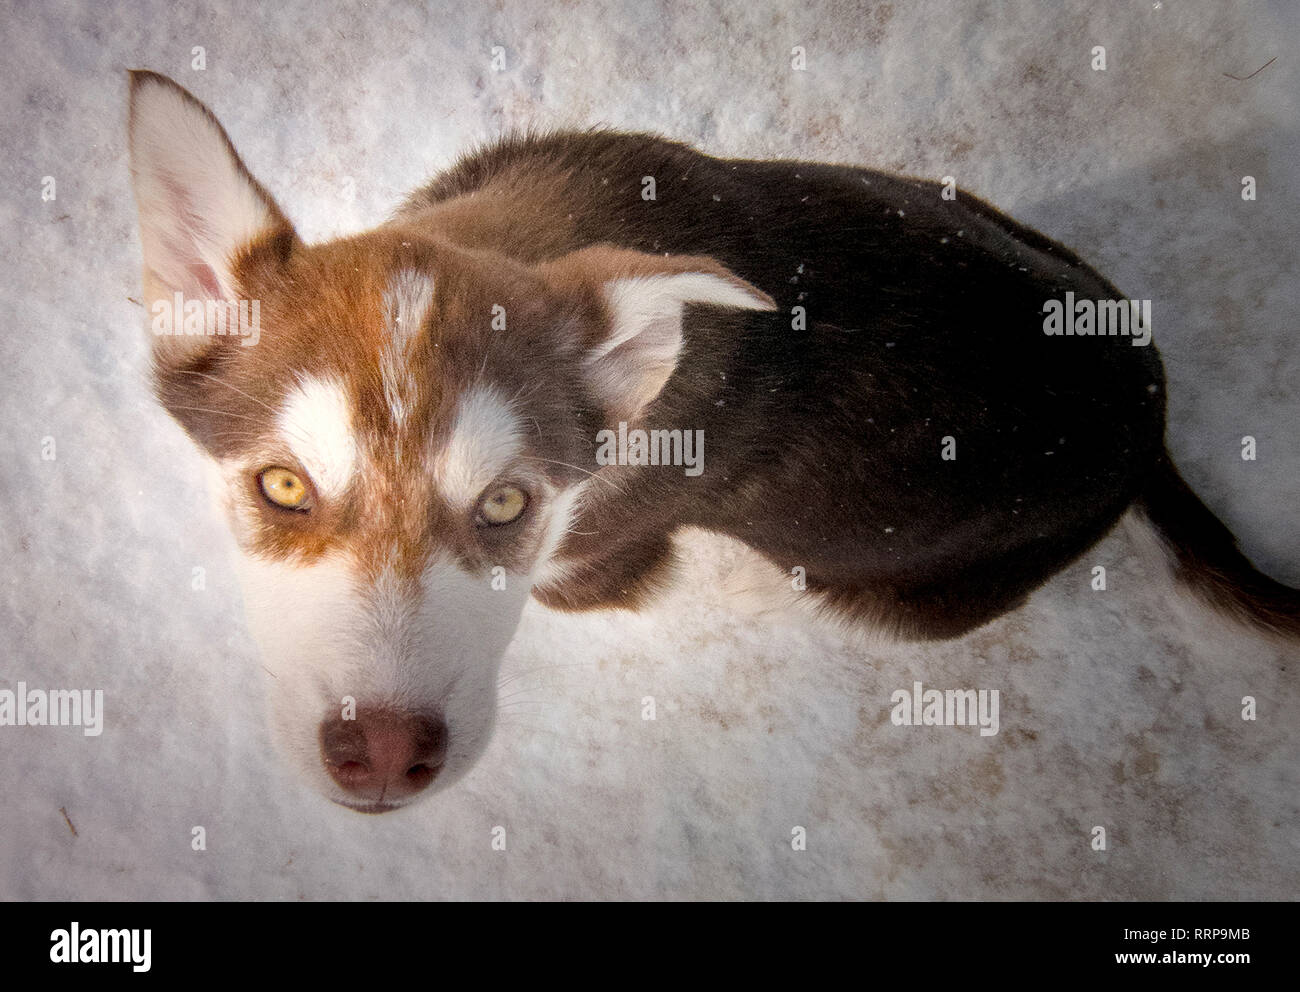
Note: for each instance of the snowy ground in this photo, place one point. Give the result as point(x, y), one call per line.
point(1116, 709)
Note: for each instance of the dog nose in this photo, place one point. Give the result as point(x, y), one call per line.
point(383, 756)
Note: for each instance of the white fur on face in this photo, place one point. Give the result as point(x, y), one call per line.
point(564, 509)
point(292, 611)
point(434, 647)
point(485, 438)
point(327, 629)
point(406, 305)
point(316, 423)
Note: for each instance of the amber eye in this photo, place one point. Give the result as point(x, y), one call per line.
point(283, 488)
point(501, 505)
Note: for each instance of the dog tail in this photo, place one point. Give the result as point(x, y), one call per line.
point(1206, 560)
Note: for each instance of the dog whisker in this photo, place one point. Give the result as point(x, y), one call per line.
point(230, 386)
point(577, 468)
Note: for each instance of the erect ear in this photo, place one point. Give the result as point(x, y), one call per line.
point(636, 349)
point(200, 209)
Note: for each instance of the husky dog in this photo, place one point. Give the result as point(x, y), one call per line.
point(911, 398)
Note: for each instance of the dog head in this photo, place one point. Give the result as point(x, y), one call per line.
point(400, 433)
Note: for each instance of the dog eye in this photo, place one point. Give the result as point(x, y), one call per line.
point(283, 488)
point(502, 505)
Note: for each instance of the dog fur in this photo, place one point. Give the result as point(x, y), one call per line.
point(828, 329)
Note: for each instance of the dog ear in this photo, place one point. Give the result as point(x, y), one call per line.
point(201, 212)
point(635, 349)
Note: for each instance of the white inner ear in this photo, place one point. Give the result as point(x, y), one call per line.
point(629, 368)
point(197, 206)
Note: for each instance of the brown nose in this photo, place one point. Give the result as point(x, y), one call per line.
point(382, 757)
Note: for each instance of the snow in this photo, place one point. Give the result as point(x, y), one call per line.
point(1118, 708)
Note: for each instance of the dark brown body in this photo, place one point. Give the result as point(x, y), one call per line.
point(865, 360)
point(923, 321)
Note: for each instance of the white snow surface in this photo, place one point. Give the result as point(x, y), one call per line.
point(1118, 709)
